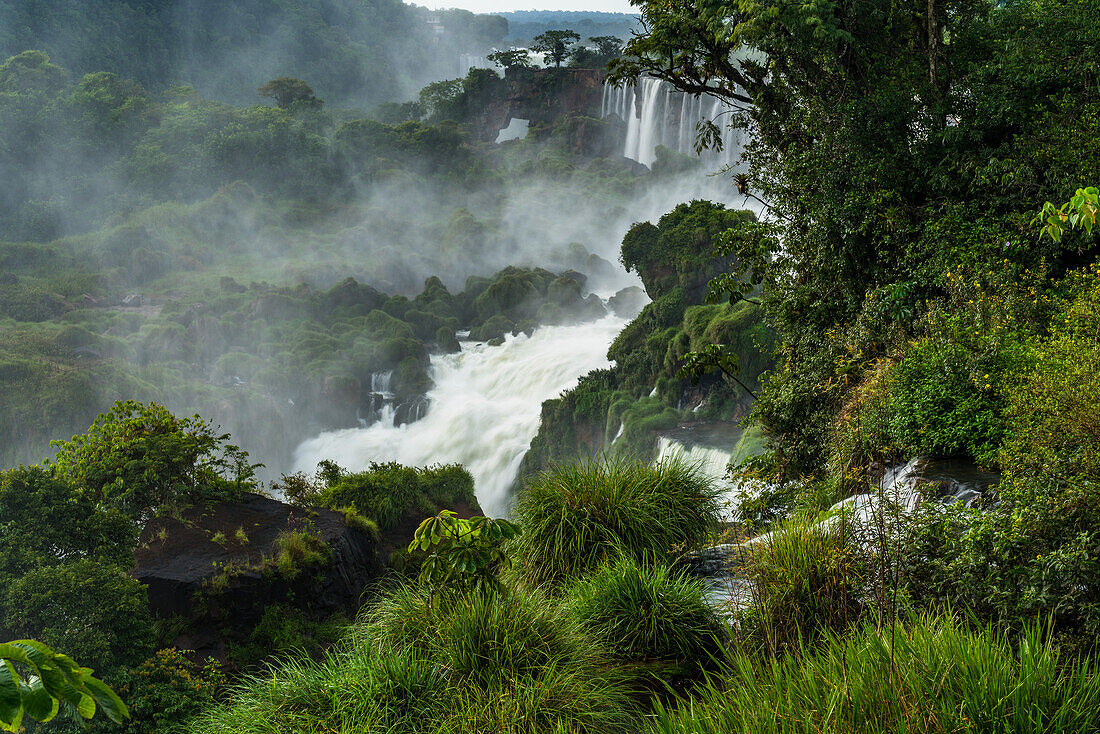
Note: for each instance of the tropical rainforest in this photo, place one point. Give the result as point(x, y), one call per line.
point(235, 238)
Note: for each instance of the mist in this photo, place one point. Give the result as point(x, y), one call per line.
point(264, 266)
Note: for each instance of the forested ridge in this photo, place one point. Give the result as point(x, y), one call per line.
point(895, 290)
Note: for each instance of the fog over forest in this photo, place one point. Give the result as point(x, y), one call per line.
point(158, 174)
point(717, 367)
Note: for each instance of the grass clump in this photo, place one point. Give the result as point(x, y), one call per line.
point(355, 521)
point(577, 517)
point(648, 612)
point(805, 579)
point(446, 664)
point(930, 676)
point(297, 550)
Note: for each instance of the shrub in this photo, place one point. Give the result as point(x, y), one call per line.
point(143, 459)
point(648, 612)
point(298, 550)
point(384, 492)
point(93, 611)
point(576, 517)
point(162, 692)
point(355, 521)
point(1033, 552)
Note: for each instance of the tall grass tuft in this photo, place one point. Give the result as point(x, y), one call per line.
point(445, 664)
point(297, 550)
point(930, 676)
point(648, 612)
point(805, 580)
point(578, 517)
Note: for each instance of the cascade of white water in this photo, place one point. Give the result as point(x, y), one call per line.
point(711, 461)
point(483, 411)
point(656, 114)
point(380, 383)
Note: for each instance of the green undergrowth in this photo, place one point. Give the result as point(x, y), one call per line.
point(421, 663)
point(930, 675)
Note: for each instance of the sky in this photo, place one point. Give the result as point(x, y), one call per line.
point(497, 6)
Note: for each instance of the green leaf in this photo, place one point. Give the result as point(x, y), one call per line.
point(37, 701)
point(10, 703)
point(107, 699)
point(86, 707)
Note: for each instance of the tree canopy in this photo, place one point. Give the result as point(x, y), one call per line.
point(288, 92)
point(142, 459)
point(516, 58)
point(556, 44)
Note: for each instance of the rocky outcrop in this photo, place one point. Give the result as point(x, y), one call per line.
point(542, 96)
point(219, 567)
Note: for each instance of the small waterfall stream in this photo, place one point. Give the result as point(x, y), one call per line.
point(483, 411)
point(656, 114)
point(901, 489)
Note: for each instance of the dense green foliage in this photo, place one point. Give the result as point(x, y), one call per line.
point(144, 460)
point(384, 493)
point(94, 610)
point(647, 612)
point(47, 522)
point(941, 148)
point(161, 692)
point(926, 300)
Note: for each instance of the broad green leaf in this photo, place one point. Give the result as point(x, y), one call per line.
point(86, 707)
point(37, 701)
point(107, 699)
point(10, 703)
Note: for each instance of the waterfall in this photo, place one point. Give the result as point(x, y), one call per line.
point(380, 383)
point(483, 411)
point(656, 114)
point(905, 485)
point(708, 446)
point(711, 461)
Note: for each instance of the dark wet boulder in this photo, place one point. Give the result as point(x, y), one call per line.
point(219, 567)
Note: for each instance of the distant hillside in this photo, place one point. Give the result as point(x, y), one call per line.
point(524, 25)
point(352, 52)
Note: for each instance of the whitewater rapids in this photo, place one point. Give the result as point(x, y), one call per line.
point(483, 412)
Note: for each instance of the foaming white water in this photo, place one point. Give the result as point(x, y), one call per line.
point(483, 411)
point(712, 462)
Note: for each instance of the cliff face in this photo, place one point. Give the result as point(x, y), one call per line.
point(542, 96)
point(218, 567)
